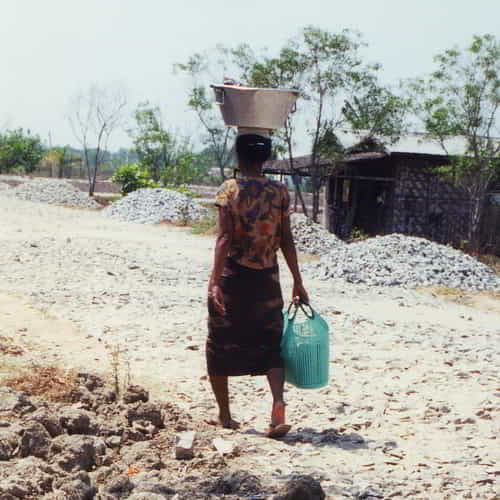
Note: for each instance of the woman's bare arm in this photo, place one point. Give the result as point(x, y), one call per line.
point(222, 245)
point(290, 254)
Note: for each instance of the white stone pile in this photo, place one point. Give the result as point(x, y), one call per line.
point(150, 206)
point(312, 238)
point(53, 191)
point(4, 186)
point(405, 261)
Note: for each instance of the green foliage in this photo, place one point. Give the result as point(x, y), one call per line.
point(218, 138)
point(133, 177)
point(167, 159)
point(376, 111)
point(462, 99)
point(20, 150)
point(182, 170)
point(154, 145)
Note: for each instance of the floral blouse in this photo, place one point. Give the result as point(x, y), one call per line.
point(257, 206)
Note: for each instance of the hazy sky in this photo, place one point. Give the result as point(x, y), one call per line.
point(51, 49)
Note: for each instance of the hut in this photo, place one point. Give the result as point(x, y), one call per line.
point(374, 190)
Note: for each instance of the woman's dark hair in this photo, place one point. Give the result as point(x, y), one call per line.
point(253, 149)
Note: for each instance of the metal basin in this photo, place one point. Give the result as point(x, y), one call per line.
point(255, 107)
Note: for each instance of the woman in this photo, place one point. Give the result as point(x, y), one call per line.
point(244, 295)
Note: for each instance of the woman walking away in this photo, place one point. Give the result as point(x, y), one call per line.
point(245, 303)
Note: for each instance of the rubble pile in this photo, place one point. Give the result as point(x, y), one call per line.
point(405, 261)
point(92, 446)
point(312, 238)
point(150, 206)
point(52, 191)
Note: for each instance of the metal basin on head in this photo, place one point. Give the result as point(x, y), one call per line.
point(255, 107)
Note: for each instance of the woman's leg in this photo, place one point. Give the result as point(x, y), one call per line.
point(276, 379)
point(221, 392)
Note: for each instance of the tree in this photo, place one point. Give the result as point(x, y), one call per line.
point(340, 91)
point(154, 145)
point(94, 116)
point(461, 99)
point(218, 137)
point(334, 70)
point(20, 149)
point(375, 111)
point(286, 70)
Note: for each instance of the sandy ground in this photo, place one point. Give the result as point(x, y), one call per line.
point(413, 406)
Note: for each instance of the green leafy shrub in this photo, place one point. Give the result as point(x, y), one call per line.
point(133, 177)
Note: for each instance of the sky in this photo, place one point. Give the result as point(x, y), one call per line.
point(53, 49)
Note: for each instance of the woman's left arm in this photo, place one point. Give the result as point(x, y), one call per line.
point(222, 245)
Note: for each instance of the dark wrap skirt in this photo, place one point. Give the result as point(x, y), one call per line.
point(246, 340)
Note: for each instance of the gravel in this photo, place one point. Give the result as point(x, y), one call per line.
point(150, 206)
point(52, 191)
point(404, 261)
point(312, 238)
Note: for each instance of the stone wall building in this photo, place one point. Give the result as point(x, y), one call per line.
point(383, 192)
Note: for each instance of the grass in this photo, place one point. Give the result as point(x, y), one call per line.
point(206, 226)
point(50, 382)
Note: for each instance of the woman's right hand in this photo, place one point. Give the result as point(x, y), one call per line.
point(215, 293)
point(299, 293)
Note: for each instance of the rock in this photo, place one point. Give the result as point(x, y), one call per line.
point(135, 393)
point(141, 430)
point(53, 191)
point(141, 455)
point(119, 486)
point(113, 441)
point(76, 487)
point(301, 488)
point(312, 238)
point(184, 445)
point(153, 488)
point(239, 482)
point(224, 447)
point(406, 261)
point(73, 453)
point(149, 412)
point(146, 496)
point(9, 442)
point(49, 420)
point(12, 401)
point(31, 478)
point(90, 381)
point(368, 493)
point(77, 421)
point(35, 440)
point(150, 206)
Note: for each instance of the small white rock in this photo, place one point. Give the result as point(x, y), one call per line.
point(224, 447)
point(184, 445)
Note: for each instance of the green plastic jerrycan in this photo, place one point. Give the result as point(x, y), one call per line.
point(305, 348)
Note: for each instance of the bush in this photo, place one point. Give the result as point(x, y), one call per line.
point(19, 151)
point(133, 177)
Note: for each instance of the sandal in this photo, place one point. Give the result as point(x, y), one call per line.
point(278, 431)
